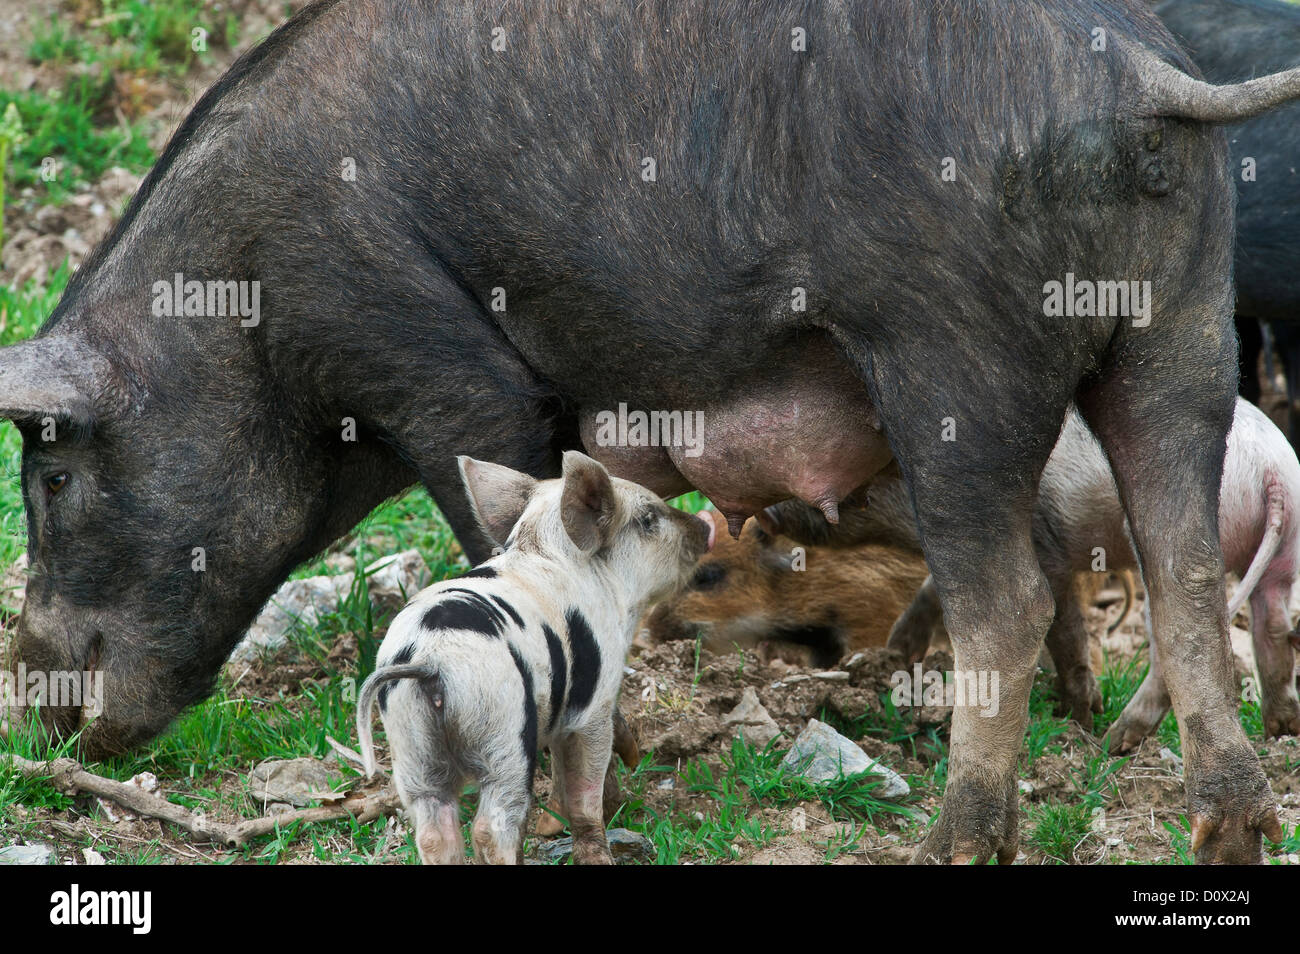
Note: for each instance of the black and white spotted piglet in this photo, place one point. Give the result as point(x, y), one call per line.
point(527, 650)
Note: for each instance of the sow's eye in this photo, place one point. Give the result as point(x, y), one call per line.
point(55, 482)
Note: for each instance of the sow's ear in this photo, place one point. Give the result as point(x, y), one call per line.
point(497, 494)
point(587, 504)
point(49, 377)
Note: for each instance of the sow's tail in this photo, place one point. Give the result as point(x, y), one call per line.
point(1171, 92)
point(1267, 549)
point(366, 702)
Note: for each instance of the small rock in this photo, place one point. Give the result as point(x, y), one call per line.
point(626, 847)
point(821, 754)
point(791, 680)
point(1114, 842)
point(832, 676)
point(36, 854)
point(92, 857)
point(931, 715)
point(145, 781)
point(1026, 787)
point(756, 726)
point(297, 600)
point(1168, 755)
point(340, 563)
point(51, 220)
point(299, 782)
point(393, 580)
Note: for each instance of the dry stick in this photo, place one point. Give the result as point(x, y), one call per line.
point(69, 777)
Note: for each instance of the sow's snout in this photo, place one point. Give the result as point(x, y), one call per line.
point(73, 682)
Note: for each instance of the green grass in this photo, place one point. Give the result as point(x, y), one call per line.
point(67, 127)
point(143, 36)
point(78, 125)
point(726, 817)
point(53, 41)
point(151, 35)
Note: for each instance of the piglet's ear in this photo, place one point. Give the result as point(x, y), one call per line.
point(587, 505)
point(497, 494)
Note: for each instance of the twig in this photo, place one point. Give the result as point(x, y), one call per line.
point(69, 777)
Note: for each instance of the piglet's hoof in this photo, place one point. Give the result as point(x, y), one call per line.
point(1281, 718)
point(1080, 699)
point(1138, 720)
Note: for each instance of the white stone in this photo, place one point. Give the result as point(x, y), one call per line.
point(753, 722)
point(821, 754)
point(391, 580)
point(27, 855)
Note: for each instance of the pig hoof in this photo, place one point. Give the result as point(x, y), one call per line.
point(974, 825)
point(592, 855)
point(625, 744)
point(1282, 719)
point(1231, 808)
point(1080, 701)
point(1128, 731)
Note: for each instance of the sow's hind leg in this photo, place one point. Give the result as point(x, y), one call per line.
point(971, 449)
point(1163, 424)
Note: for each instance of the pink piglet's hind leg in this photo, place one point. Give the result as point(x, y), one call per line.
point(437, 831)
point(1274, 643)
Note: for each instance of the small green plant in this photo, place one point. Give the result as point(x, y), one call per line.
point(65, 146)
point(11, 135)
point(1058, 829)
point(163, 35)
point(54, 42)
point(1044, 726)
point(1180, 841)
